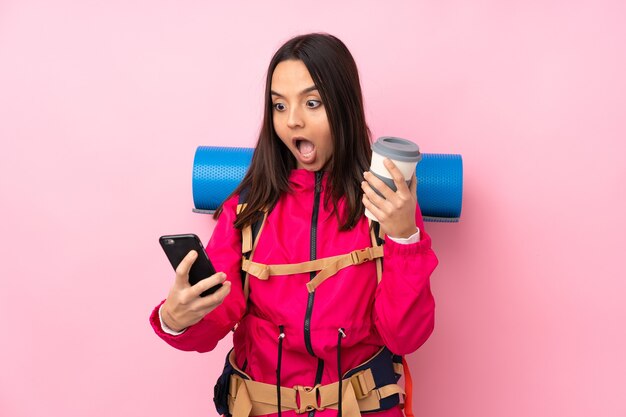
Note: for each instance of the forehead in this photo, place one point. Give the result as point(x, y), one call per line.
point(291, 75)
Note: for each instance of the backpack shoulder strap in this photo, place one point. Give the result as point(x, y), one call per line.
point(249, 238)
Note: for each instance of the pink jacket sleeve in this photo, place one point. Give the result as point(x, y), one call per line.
point(404, 309)
point(224, 250)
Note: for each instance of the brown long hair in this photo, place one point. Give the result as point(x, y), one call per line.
point(336, 77)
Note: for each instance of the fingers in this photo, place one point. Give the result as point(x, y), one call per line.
point(374, 182)
point(395, 210)
point(182, 270)
point(207, 283)
point(189, 307)
point(402, 189)
point(210, 302)
point(372, 195)
point(396, 174)
point(373, 208)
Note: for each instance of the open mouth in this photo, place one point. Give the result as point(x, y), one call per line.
point(305, 147)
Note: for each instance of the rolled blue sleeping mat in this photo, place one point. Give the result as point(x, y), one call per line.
point(217, 171)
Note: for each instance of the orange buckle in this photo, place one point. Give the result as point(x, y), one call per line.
point(360, 256)
point(307, 399)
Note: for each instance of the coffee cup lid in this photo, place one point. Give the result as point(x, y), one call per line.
point(397, 149)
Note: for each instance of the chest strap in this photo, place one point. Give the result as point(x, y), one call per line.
point(327, 267)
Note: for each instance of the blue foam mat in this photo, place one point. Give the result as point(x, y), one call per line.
point(218, 170)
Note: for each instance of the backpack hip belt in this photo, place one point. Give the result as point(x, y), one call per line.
point(366, 388)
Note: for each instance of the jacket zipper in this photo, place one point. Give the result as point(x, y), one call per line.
point(313, 256)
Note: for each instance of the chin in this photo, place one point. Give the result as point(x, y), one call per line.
point(315, 167)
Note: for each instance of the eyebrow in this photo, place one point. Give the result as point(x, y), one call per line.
point(305, 91)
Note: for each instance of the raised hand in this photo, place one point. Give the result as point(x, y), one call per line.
point(396, 211)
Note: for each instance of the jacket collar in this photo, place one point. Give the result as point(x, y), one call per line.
point(302, 180)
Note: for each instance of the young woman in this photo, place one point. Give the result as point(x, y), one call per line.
point(296, 334)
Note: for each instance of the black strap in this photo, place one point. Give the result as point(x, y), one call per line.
point(376, 227)
point(340, 335)
point(379, 241)
point(281, 336)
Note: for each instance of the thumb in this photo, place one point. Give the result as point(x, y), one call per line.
point(182, 270)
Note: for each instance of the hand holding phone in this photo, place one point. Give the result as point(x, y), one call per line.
point(184, 306)
point(176, 247)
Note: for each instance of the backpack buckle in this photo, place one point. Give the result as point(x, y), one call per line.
point(308, 398)
point(363, 384)
point(360, 256)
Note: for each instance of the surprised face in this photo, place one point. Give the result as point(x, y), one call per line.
point(299, 116)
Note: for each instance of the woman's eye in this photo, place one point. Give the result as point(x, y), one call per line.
point(279, 106)
point(312, 104)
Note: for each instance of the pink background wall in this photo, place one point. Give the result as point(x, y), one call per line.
point(103, 103)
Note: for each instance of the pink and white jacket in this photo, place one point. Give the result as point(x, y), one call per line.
point(397, 313)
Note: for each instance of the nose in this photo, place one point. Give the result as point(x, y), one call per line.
point(295, 118)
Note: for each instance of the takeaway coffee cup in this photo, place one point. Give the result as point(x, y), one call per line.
point(404, 153)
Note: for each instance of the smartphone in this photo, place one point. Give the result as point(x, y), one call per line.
point(176, 247)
